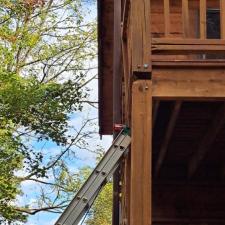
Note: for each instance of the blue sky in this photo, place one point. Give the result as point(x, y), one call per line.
point(83, 158)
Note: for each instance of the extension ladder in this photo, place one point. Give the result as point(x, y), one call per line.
point(85, 197)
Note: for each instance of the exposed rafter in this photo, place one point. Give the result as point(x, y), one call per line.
point(168, 135)
point(207, 141)
point(155, 112)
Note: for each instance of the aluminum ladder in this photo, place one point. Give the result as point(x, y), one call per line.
point(85, 197)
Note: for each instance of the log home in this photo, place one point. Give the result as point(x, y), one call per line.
point(162, 72)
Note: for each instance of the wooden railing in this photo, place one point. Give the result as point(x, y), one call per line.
point(192, 38)
point(171, 31)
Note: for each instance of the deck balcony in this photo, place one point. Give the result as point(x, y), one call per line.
point(177, 33)
point(176, 51)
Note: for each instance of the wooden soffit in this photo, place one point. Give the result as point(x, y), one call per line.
point(105, 69)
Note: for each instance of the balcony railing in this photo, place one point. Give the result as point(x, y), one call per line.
point(178, 31)
point(187, 30)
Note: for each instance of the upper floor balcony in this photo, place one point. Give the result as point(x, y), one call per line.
point(174, 33)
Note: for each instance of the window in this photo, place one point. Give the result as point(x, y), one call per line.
point(213, 31)
point(213, 24)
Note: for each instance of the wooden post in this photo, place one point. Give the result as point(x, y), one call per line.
point(167, 17)
point(141, 155)
point(203, 9)
point(185, 17)
point(141, 36)
point(222, 18)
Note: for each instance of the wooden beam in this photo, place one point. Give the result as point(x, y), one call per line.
point(207, 141)
point(188, 84)
point(167, 17)
point(188, 90)
point(168, 134)
point(155, 112)
point(141, 36)
point(184, 49)
point(141, 154)
point(222, 19)
point(188, 41)
point(203, 8)
point(189, 63)
point(117, 107)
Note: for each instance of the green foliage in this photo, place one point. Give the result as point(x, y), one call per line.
point(44, 47)
point(39, 107)
point(102, 209)
point(10, 161)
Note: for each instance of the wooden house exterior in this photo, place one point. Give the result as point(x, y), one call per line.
point(162, 72)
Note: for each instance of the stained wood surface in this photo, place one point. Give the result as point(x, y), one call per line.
point(105, 36)
point(185, 18)
point(141, 145)
point(177, 75)
point(188, 64)
point(222, 18)
point(188, 41)
point(141, 36)
point(203, 9)
point(183, 49)
point(167, 17)
point(188, 83)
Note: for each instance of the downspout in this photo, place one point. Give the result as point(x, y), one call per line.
point(117, 104)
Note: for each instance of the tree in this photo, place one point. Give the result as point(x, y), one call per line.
point(101, 210)
point(45, 47)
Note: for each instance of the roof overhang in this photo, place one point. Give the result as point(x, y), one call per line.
point(105, 68)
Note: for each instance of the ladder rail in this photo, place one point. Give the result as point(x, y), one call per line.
point(98, 182)
point(89, 181)
point(98, 178)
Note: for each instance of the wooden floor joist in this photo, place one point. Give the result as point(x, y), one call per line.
point(207, 141)
point(168, 134)
point(155, 112)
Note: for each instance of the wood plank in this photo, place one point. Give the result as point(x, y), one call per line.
point(188, 90)
point(184, 49)
point(141, 153)
point(207, 141)
point(188, 84)
point(188, 41)
point(168, 134)
point(222, 18)
point(185, 18)
point(189, 63)
point(167, 17)
point(203, 9)
point(141, 36)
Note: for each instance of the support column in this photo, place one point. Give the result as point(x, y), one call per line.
point(117, 110)
point(141, 154)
